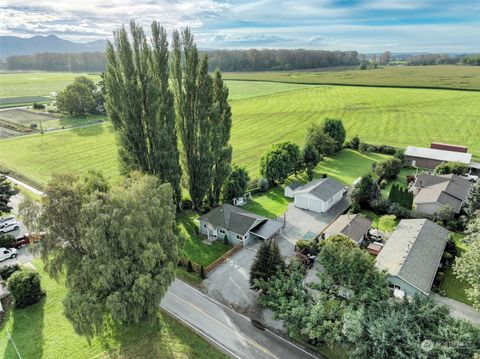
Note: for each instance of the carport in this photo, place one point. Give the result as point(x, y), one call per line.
point(266, 229)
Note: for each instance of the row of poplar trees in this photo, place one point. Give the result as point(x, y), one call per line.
point(171, 116)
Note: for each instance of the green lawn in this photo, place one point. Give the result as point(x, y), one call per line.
point(386, 223)
point(452, 286)
point(345, 167)
point(398, 117)
point(194, 249)
point(42, 331)
point(443, 76)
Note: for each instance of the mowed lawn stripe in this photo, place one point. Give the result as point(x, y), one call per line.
point(397, 117)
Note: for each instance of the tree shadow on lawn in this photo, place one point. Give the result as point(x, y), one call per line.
point(26, 331)
point(164, 338)
point(93, 130)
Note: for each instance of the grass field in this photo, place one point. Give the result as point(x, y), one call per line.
point(22, 101)
point(397, 117)
point(442, 76)
point(42, 331)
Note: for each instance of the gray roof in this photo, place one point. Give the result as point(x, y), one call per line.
point(448, 189)
point(439, 155)
point(354, 226)
point(232, 218)
point(413, 252)
point(266, 229)
point(324, 188)
point(294, 185)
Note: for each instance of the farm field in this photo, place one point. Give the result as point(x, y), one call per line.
point(28, 87)
point(42, 331)
point(441, 76)
point(397, 117)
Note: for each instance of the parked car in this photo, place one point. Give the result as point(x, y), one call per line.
point(7, 219)
point(28, 238)
point(9, 227)
point(471, 178)
point(7, 253)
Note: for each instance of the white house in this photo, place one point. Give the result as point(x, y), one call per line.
point(318, 195)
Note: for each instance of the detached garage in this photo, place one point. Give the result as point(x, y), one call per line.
point(319, 195)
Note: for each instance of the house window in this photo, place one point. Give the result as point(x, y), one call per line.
point(205, 225)
point(239, 237)
point(222, 231)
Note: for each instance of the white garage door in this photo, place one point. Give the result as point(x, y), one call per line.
point(316, 206)
point(301, 202)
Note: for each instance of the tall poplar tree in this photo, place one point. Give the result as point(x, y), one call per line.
point(197, 117)
point(140, 103)
point(221, 148)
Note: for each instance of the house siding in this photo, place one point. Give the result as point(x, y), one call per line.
point(427, 208)
point(315, 204)
point(420, 162)
point(407, 288)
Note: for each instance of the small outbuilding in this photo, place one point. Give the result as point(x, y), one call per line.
point(290, 189)
point(319, 195)
point(354, 226)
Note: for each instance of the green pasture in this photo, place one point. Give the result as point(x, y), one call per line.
point(439, 76)
point(43, 331)
point(397, 117)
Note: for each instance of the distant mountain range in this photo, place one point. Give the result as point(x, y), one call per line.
point(12, 45)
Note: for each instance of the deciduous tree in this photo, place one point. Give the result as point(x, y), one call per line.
point(312, 158)
point(322, 141)
point(117, 251)
point(334, 128)
point(236, 183)
point(77, 99)
point(141, 105)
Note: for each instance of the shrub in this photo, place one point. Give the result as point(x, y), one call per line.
point(38, 106)
point(203, 275)
point(355, 142)
point(7, 271)
point(451, 167)
point(33, 125)
point(24, 285)
point(381, 206)
point(190, 266)
point(7, 240)
point(307, 247)
point(236, 183)
point(399, 211)
point(388, 169)
point(445, 216)
point(263, 184)
point(364, 147)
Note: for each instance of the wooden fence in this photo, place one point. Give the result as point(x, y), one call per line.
point(223, 258)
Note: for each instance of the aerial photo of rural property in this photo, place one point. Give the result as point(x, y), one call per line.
point(202, 179)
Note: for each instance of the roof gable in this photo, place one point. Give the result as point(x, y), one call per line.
point(232, 218)
point(413, 252)
point(324, 188)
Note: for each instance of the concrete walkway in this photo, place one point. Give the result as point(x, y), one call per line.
point(457, 309)
point(24, 185)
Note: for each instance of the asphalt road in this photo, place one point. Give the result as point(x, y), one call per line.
point(230, 331)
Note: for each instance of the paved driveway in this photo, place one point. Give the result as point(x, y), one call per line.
point(457, 309)
point(229, 282)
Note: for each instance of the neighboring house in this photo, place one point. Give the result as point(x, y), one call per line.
point(238, 224)
point(318, 195)
point(429, 158)
point(434, 191)
point(354, 226)
point(289, 190)
point(412, 255)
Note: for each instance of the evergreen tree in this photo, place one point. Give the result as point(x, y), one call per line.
point(140, 104)
point(334, 128)
point(221, 149)
point(7, 190)
point(268, 261)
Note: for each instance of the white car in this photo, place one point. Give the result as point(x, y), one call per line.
point(471, 178)
point(6, 219)
point(7, 253)
point(9, 227)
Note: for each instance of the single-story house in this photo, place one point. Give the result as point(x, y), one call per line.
point(412, 255)
point(434, 191)
point(290, 189)
point(318, 195)
point(238, 224)
point(354, 226)
point(429, 158)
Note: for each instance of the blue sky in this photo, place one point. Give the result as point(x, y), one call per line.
point(362, 25)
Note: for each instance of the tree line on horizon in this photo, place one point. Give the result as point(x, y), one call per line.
point(225, 60)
